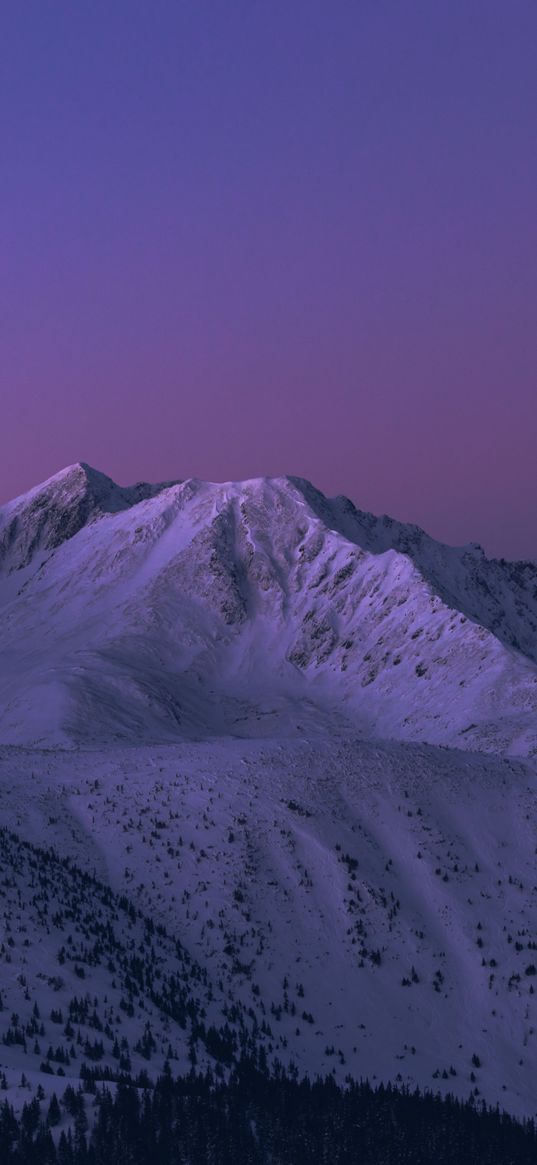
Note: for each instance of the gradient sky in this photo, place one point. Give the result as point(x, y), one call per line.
point(242, 237)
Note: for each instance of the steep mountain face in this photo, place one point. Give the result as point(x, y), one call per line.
point(55, 511)
point(500, 595)
point(256, 608)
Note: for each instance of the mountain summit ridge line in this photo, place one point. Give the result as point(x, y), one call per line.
point(253, 607)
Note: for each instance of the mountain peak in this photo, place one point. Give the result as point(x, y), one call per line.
point(56, 509)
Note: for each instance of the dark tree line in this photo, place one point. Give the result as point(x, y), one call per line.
point(259, 1119)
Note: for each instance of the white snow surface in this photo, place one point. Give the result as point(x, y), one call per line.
point(302, 739)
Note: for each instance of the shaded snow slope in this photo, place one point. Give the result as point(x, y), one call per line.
point(369, 909)
point(88, 981)
point(257, 608)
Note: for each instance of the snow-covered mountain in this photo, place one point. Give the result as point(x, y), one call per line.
point(255, 608)
point(283, 752)
point(57, 509)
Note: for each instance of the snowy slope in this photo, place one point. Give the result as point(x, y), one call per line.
point(374, 906)
point(88, 979)
point(252, 609)
point(500, 595)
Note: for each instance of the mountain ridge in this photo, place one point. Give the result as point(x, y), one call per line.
point(195, 608)
point(101, 483)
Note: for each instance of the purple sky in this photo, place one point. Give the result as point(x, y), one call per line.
point(241, 237)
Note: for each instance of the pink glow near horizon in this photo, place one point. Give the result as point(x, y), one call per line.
point(244, 239)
